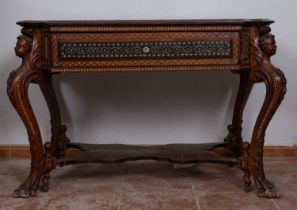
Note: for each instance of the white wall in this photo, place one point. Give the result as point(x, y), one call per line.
point(150, 108)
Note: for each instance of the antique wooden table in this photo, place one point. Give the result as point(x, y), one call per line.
point(52, 47)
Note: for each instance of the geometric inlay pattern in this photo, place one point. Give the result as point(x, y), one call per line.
point(89, 50)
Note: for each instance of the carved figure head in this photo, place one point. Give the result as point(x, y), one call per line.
point(268, 45)
point(23, 45)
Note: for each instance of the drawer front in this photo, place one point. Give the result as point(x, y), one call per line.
point(144, 49)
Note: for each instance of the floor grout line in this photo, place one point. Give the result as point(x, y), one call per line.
point(43, 200)
point(121, 192)
point(193, 192)
point(276, 205)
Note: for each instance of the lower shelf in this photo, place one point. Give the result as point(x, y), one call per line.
point(176, 153)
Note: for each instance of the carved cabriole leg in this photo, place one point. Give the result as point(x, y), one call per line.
point(234, 139)
point(57, 146)
point(58, 139)
point(17, 89)
point(18, 83)
point(275, 88)
point(275, 83)
point(18, 93)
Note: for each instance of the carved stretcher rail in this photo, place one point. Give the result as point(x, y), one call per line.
point(176, 153)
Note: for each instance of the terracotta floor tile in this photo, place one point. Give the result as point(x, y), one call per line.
point(9, 165)
point(156, 181)
point(6, 191)
point(233, 201)
point(148, 185)
point(89, 170)
point(87, 178)
point(166, 177)
point(10, 203)
point(281, 165)
point(288, 201)
point(285, 183)
point(85, 186)
point(82, 201)
point(209, 181)
point(215, 169)
point(166, 199)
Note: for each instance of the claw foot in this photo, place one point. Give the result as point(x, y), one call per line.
point(24, 192)
point(268, 193)
point(45, 182)
point(267, 190)
point(29, 187)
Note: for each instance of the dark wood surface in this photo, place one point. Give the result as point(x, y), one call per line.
point(241, 46)
point(48, 23)
point(175, 153)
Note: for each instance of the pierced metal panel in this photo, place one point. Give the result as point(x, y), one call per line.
point(89, 50)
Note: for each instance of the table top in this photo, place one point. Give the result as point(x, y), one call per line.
point(49, 23)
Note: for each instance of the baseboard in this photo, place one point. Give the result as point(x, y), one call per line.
point(20, 151)
point(23, 151)
point(280, 151)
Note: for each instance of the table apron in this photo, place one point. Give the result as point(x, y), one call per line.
point(147, 50)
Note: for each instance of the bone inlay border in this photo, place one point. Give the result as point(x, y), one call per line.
point(145, 49)
point(153, 68)
point(142, 28)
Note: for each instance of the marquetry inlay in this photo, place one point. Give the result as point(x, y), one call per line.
point(86, 50)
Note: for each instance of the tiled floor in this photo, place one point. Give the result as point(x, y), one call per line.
point(149, 185)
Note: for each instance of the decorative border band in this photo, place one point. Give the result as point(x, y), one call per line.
point(142, 28)
point(151, 69)
point(89, 50)
point(58, 38)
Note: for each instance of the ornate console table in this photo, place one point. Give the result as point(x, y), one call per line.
point(51, 47)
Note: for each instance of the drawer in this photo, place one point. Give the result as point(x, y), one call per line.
point(144, 49)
